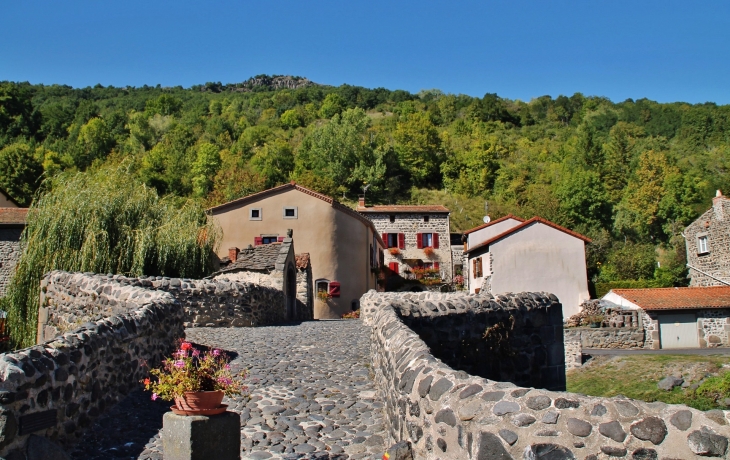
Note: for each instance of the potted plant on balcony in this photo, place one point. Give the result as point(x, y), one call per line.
point(429, 252)
point(196, 381)
point(324, 296)
point(394, 252)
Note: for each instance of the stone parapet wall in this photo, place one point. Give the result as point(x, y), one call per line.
point(573, 348)
point(9, 254)
point(55, 389)
point(713, 326)
point(71, 299)
point(609, 337)
point(449, 414)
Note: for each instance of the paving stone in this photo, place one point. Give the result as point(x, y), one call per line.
point(612, 430)
point(305, 398)
point(579, 427)
point(650, 429)
point(505, 407)
point(681, 420)
point(707, 443)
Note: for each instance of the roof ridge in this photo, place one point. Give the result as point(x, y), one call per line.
point(496, 221)
point(526, 224)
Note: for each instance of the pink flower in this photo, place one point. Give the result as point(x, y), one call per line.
point(216, 352)
point(154, 396)
point(196, 353)
point(179, 364)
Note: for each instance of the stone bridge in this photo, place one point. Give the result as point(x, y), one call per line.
point(457, 376)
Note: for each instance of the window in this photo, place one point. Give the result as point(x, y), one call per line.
point(425, 218)
point(394, 267)
point(290, 212)
point(322, 286)
point(702, 245)
point(326, 289)
point(477, 267)
point(269, 239)
point(392, 218)
point(254, 214)
point(392, 240)
point(427, 240)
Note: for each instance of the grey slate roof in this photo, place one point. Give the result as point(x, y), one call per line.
point(262, 257)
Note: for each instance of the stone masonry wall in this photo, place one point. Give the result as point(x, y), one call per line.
point(71, 299)
point(409, 225)
point(493, 337)
point(573, 348)
point(715, 224)
point(713, 327)
point(9, 254)
point(449, 414)
point(56, 389)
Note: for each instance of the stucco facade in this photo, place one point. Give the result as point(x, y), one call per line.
point(403, 224)
point(343, 246)
point(534, 256)
point(707, 240)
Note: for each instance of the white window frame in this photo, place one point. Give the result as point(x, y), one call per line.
point(251, 216)
point(286, 208)
point(703, 244)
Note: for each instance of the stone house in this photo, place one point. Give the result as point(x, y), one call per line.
point(415, 236)
point(679, 317)
point(12, 223)
point(343, 246)
point(273, 265)
point(515, 255)
point(707, 240)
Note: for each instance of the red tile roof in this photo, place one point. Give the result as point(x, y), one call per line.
point(302, 260)
point(677, 298)
point(525, 224)
point(397, 208)
point(13, 216)
point(501, 219)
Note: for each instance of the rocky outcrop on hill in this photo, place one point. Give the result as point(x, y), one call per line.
point(261, 83)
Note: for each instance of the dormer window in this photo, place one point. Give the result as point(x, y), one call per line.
point(425, 218)
point(703, 246)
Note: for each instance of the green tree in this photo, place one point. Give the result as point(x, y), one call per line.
point(274, 161)
point(205, 167)
point(94, 142)
point(332, 105)
point(291, 119)
point(20, 172)
point(417, 143)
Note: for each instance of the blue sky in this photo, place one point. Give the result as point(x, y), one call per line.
point(663, 50)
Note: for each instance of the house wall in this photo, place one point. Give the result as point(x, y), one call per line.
point(483, 283)
point(715, 223)
point(482, 235)
point(338, 243)
point(410, 225)
point(713, 327)
point(541, 258)
point(9, 254)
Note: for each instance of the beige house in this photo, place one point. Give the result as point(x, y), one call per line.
point(344, 247)
point(514, 255)
point(12, 223)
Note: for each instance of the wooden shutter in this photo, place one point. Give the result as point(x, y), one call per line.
point(419, 240)
point(334, 289)
point(385, 240)
point(258, 241)
point(393, 266)
point(436, 265)
point(435, 238)
point(401, 241)
point(280, 239)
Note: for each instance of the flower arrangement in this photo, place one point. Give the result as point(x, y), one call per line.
point(428, 251)
point(189, 369)
point(324, 296)
point(352, 315)
point(394, 251)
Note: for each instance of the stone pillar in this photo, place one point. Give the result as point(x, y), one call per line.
point(197, 437)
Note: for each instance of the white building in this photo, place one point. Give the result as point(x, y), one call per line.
point(514, 255)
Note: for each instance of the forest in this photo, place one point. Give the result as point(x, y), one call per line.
point(630, 175)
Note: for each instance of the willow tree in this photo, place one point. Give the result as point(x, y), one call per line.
point(104, 221)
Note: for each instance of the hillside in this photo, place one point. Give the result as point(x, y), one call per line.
point(630, 175)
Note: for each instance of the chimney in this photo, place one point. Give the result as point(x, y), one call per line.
point(717, 205)
point(361, 201)
point(233, 254)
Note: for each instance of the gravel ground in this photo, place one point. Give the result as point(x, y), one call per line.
point(312, 396)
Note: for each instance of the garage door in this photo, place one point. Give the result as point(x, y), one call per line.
point(678, 330)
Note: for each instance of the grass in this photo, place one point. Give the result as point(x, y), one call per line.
point(637, 377)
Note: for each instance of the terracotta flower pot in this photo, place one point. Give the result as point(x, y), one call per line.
point(193, 401)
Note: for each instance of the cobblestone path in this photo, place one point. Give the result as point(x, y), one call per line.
point(312, 397)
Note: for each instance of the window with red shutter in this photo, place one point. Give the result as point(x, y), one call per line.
point(436, 265)
point(419, 241)
point(435, 237)
point(401, 241)
point(385, 240)
point(258, 241)
point(334, 289)
point(393, 266)
point(280, 239)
